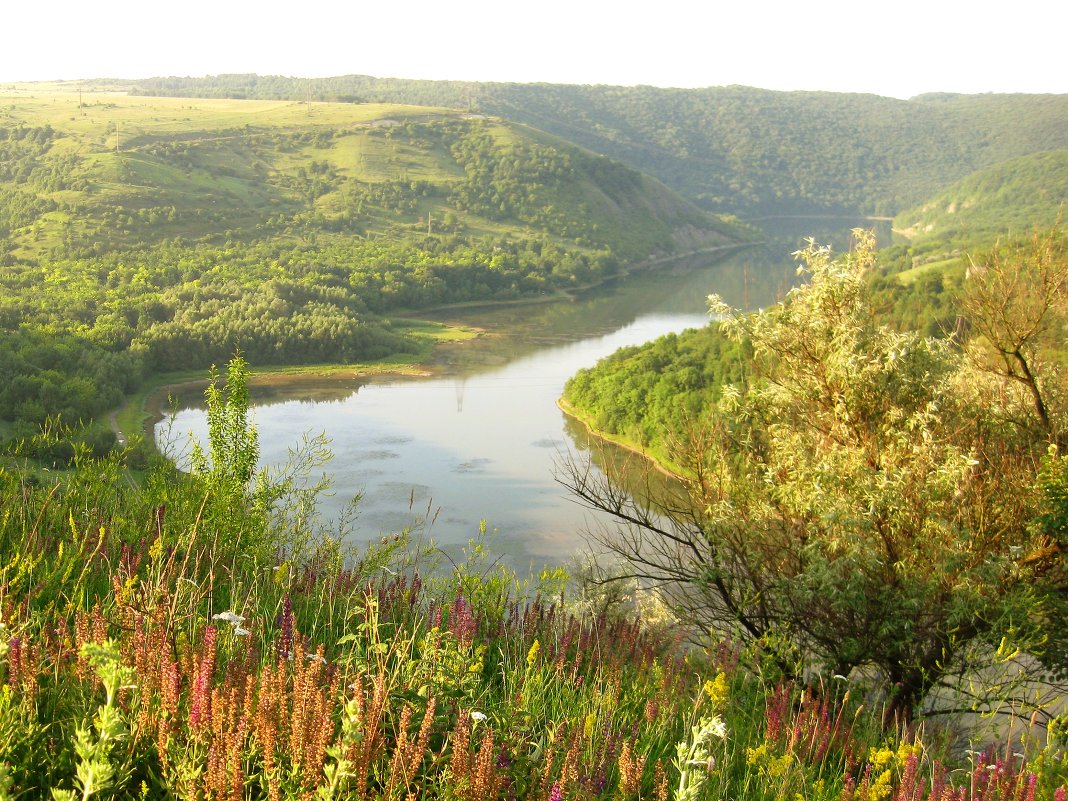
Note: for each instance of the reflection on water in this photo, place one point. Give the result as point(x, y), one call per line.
point(482, 438)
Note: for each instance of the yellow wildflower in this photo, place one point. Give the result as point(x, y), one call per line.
point(779, 767)
point(880, 758)
point(880, 788)
point(754, 756)
point(716, 690)
point(532, 654)
point(905, 751)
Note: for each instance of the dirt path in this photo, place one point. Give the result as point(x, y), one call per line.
point(113, 421)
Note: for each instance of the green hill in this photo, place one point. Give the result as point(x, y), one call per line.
point(735, 149)
point(1013, 196)
point(78, 168)
point(146, 234)
point(922, 273)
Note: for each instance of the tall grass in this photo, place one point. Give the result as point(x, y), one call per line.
point(159, 641)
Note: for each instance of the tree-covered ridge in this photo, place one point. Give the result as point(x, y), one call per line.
point(1010, 197)
point(153, 235)
point(734, 149)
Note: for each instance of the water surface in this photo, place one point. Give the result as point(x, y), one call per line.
point(479, 442)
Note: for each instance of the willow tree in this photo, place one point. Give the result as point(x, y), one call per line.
point(863, 501)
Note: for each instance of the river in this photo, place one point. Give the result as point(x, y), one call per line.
point(478, 442)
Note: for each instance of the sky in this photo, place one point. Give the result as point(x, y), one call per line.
point(898, 49)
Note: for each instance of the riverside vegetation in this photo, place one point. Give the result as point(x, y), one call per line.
point(146, 236)
point(199, 636)
point(867, 500)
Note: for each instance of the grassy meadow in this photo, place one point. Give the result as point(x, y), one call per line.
point(116, 141)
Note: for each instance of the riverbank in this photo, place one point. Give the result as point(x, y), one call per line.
point(657, 460)
point(148, 406)
point(574, 293)
point(141, 411)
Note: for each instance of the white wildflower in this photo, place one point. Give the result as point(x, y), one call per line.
point(229, 617)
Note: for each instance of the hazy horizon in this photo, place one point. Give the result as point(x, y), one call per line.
point(828, 45)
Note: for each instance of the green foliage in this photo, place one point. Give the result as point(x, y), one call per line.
point(694, 759)
point(925, 298)
point(861, 494)
point(1010, 197)
point(651, 393)
point(1053, 519)
point(100, 767)
point(264, 510)
point(51, 373)
point(1053, 480)
point(233, 442)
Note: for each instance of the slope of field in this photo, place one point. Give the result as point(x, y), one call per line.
point(135, 170)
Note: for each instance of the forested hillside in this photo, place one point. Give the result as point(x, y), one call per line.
point(1011, 197)
point(141, 235)
point(647, 394)
point(733, 149)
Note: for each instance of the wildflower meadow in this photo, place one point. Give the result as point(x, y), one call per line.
point(167, 635)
